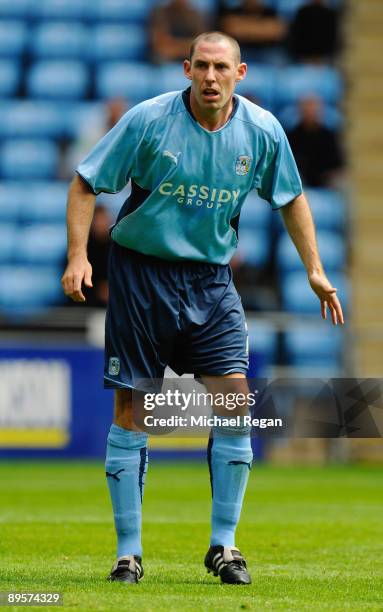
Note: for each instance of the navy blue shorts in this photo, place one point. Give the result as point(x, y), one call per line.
point(185, 314)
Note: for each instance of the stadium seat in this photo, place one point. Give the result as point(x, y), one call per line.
point(255, 213)
point(43, 202)
point(253, 247)
point(12, 197)
point(328, 207)
point(332, 117)
point(9, 77)
point(14, 8)
point(8, 241)
point(24, 289)
point(58, 79)
point(319, 345)
point(80, 115)
point(60, 9)
point(263, 339)
point(13, 37)
point(119, 10)
point(32, 118)
point(41, 244)
point(169, 77)
point(331, 247)
point(28, 159)
point(59, 40)
point(298, 81)
point(297, 296)
point(259, 85)
point(129, 80)
point(124, 42)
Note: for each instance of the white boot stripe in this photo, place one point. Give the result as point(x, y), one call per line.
point(217, 562)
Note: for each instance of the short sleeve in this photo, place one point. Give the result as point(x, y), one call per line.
point(109, 165)
point(278, 179)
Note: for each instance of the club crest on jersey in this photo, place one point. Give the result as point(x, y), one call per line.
point(114, 366)
point(242, 165)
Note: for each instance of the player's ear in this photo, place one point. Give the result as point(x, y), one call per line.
point(241, 72)
point(187, 69)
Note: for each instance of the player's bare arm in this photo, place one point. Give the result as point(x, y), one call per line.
point(299, 223)
point(80, 209)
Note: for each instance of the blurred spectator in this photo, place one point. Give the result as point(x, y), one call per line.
point(255, 26)
point(91, 133)
point(98, 249)
point(314, 32)
point(316, 148)
point(172, 29)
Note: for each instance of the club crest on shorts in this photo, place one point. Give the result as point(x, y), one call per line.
point(114, 366)
point(242, 165)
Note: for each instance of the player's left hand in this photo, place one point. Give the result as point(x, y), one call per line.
point(327, 296)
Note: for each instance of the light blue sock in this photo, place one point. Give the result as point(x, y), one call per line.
point(125, 466)
point(229, 458)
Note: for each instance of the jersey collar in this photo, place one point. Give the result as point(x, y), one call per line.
point(186, 101)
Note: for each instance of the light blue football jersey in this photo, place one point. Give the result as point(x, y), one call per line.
point(189, 184)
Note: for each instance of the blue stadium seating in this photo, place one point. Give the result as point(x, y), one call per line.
point(328, 207)
point(12, 198)
point(65, 40)
point(131, 80)
point(289, 116)
point(118, 42)
point(253, 247)
point(102, 32)
point(119, 10)
point(259, 85)
point(331, 248)
point(41, 244)
point(9, 77)
point(32, 118)
point(82, 115)
point(28, 159)
point(255, 213)
point(60, 9)
point(14, 8)
point(310, 345)
point(169, 77)
point(58, 79)
point(13, 38)
point(43, 202)
point(263, 339)
point(298, 81)
point(27, 289)
point(31, 202)
point(8, 241)
point(298, 297)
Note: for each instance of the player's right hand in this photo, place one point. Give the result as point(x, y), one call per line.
point(78, 271)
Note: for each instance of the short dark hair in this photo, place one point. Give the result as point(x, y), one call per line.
point(216, 37)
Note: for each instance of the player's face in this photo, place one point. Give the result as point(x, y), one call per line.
point(214, 71)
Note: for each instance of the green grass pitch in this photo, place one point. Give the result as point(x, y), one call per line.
point(312, 538)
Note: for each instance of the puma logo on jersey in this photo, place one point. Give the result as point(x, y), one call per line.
point(172, 156)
